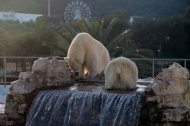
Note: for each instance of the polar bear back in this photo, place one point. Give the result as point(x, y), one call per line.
point(87, 42)
point(121, 73)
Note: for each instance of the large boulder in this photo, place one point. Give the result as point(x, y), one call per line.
point(45, 73)
point(174, 80)
point(167, 98)
point(50, 72)
point(21, 87)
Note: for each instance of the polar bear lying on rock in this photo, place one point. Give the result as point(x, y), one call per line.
point(121, 73)
point(87, 55)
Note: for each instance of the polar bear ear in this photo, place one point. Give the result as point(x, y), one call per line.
point(66, 58)
point(77, 59)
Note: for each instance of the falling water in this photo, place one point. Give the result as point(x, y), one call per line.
point(78, 108)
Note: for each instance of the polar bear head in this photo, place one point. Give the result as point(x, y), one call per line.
point(74, 63)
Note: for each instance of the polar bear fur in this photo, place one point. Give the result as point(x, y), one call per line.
point(121, 73)
point(86, 54)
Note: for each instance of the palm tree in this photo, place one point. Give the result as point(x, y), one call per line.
point(95, 29)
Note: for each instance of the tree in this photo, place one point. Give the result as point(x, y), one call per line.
point(187, 31)
point(22, 44)
point(95, 30)
point(166, 36)
point(43, 31)
point(187, 13)
point(120, 26)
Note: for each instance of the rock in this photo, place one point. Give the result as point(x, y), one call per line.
point(50, 72)
point(21, 87)
point(4, 120)
point(145, 81)
point(171, 115)
point(175, 81)
point(58, 73)
point(164, 88)
point(10, 105)
point(159, 76)
point(9, 98)
point(21, 111)
point(176, 114)
point(33, 79)
point(22, 108)
point(44, 73)
point(175, 73)
point(168, 97)
point(100, 76)
point(40, 65)
point(173, 100)
point(24, 76)
point(12, 113)
point(20, 98)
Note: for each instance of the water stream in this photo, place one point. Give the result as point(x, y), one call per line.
point(79, 108)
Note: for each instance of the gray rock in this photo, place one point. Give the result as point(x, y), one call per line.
point(175, 81)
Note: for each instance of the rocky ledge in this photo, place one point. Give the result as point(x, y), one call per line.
point(166, 96)
point(46, 74)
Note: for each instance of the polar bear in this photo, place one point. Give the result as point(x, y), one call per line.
point(87, 55)
point(121, 73)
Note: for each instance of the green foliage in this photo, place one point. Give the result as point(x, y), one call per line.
point(170, 34)
point(138, 53)
point(22, 44)
point(95, 30)
point(121, 24)
point(110, 31)
point(119, 14)
point(187, 31)
point(43, 32)
point(24, 40)
point(103, 34)
point(15, 26)
point(187, 13)
point(165, 34)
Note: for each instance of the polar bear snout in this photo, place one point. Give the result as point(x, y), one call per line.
point(76, 72)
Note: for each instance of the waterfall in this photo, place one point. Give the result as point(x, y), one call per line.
point(78, 108)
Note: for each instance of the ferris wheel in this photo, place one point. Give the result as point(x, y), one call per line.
point(77, 10)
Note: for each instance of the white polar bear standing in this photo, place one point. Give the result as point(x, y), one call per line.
point(86, 54)
point(121, 73)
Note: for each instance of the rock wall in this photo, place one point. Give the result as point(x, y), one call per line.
point(168, 98)
point(46, 73)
